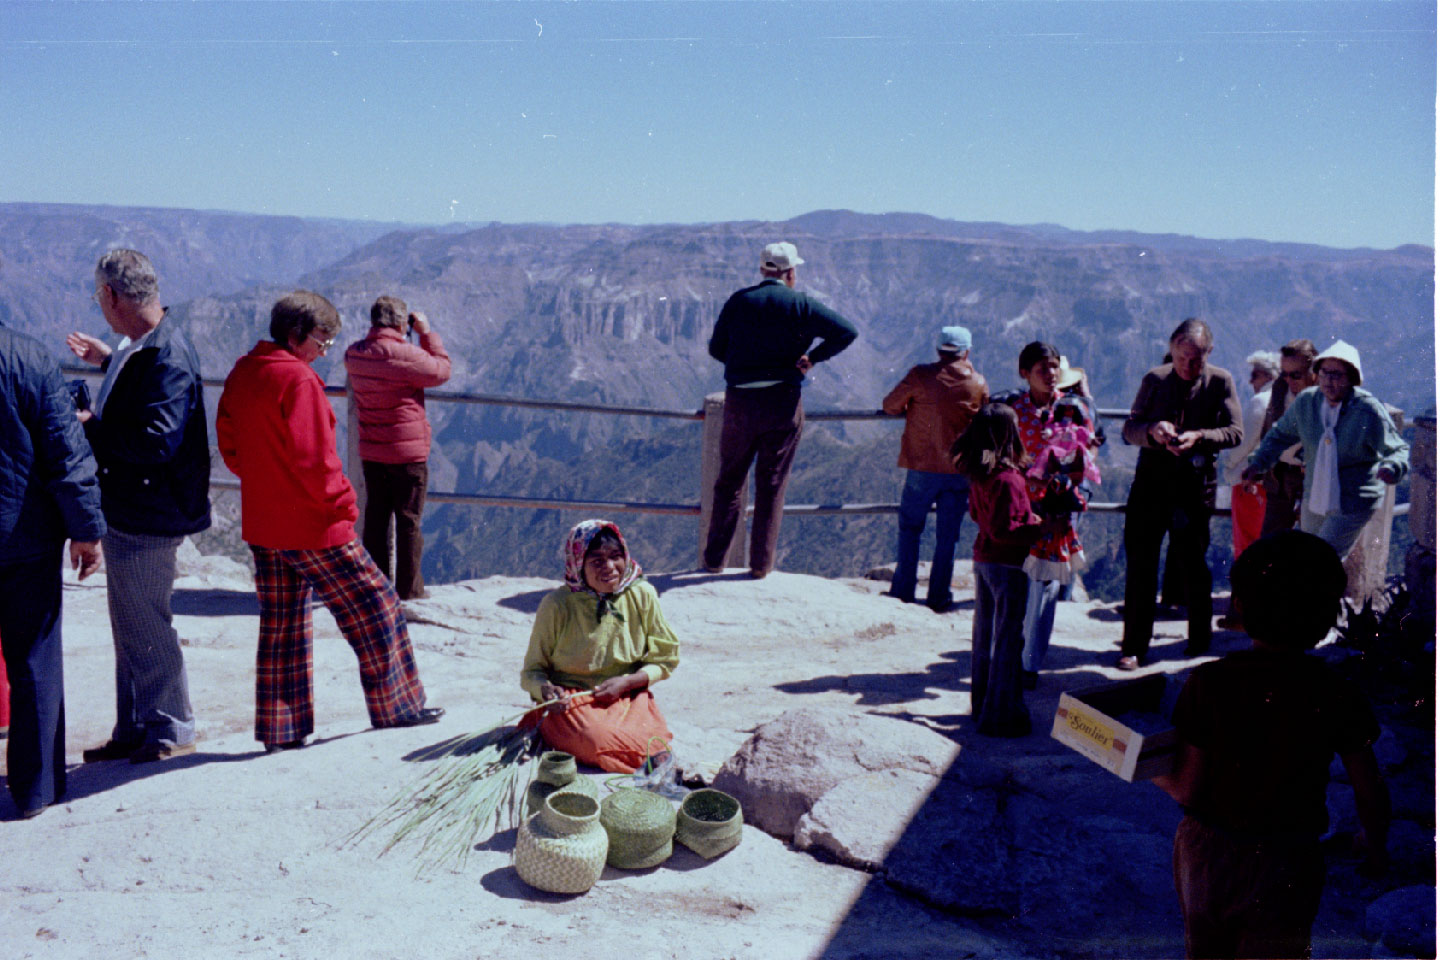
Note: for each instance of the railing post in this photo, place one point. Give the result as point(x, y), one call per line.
point(1365, 564)
point(353, 468)
point(709, 470)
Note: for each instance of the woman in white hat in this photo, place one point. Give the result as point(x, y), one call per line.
point(1351, 445)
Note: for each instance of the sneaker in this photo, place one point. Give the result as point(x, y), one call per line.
point(158, 750)
point(1128, 663)
point(109, 750)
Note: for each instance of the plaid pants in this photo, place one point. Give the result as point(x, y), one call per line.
point(367, 611)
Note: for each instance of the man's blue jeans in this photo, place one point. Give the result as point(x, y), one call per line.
point(950, 495)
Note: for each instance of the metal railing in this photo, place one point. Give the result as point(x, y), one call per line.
point(619, 506)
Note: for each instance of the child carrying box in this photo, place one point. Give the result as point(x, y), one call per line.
point(1257, 732)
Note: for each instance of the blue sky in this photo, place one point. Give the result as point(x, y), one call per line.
point(1299, 121)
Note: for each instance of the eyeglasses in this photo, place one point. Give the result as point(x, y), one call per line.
point(1334, 375)
point(324, 344)
point(1295, 374)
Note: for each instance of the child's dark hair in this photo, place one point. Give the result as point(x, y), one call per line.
point(1287, 588)
point(1035, 351)
point(994, 431)
point(604, 538)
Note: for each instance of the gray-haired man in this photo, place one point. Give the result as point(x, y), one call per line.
point(147, 428)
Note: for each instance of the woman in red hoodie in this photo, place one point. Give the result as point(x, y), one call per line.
point(276, 432)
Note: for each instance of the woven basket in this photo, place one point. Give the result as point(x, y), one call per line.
point(710, 823)
point(641, 826)
point(556, 773)
point(562, 848)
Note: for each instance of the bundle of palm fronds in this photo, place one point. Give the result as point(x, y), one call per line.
point(482, 785)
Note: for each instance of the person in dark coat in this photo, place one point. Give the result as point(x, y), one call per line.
point(1185, 412)
point(766, 337)
point(49, 493)
point(148, 430)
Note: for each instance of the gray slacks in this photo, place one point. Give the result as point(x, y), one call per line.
point(152, 692)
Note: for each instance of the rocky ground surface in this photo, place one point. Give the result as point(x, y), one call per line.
point(895, 830)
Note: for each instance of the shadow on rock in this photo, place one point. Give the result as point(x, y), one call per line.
point(878, 689)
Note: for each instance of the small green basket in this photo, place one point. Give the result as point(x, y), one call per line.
point(710, 822)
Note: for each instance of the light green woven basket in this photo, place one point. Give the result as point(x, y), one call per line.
point(562, 848)
point(641, 826)
point(710, 822)
point(556, 772)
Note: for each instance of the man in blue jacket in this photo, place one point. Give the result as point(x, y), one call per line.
point(764, 336)
point(149, 434)
point(48, 494)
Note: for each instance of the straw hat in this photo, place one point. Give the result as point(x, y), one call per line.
point(1069, 376)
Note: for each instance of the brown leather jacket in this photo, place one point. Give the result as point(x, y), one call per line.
point(938, 400)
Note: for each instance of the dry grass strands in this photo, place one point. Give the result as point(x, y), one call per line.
point(480, 790)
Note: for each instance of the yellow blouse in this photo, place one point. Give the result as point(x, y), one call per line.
point(569, 647)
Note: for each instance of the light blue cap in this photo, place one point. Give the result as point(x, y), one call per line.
point(954, 339)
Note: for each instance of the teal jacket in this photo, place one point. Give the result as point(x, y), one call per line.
point(1366, 435)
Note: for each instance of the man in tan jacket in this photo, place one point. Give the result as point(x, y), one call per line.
point(937, 401)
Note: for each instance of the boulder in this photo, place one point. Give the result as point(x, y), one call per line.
point(858, 820)
point(213, 571)
point(794, 760)
point(1404, 920)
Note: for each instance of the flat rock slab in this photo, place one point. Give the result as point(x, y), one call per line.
point(791, 762)
point(858, 820)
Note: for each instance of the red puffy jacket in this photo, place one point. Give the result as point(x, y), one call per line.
point(276, 432)
point(388, 378)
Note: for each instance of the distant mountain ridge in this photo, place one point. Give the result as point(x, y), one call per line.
point(620, 314)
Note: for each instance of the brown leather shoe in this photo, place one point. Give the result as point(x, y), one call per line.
point(151, 752)
point(1128, 663)
point(109, 750)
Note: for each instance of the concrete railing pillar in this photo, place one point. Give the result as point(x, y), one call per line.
point(1365, 565)
point(1420, 561)
point(709, 470)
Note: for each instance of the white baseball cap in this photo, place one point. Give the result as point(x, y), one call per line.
point(781, 256)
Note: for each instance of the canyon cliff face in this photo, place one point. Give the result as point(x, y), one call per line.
point(622, 314)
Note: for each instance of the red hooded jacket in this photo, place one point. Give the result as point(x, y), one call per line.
point(388, 378)
point(276, 432)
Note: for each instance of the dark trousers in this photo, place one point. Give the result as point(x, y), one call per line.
point(30, 639)
point(396, 490)
point(761, 425)
point(1242, 898)
point(1151, 510)
point(1283, 490)
point(997, 703)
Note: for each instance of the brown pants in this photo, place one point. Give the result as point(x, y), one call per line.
point(1283, 489)
point(1245, 899)
point(396, 490)
point(762, 425)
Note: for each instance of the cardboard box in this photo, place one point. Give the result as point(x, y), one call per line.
point(1139, 746)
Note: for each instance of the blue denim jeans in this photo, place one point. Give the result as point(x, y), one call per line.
point(1039, 621)
point(997, 702)
point(950, 494)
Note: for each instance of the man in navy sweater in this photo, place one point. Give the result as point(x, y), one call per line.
point(766, 337)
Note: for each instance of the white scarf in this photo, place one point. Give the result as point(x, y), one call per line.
point(1325, 485)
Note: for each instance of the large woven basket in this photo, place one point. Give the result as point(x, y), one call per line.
point(556, 773)
point(710, 822)
point(562, 848)
point(641, 826)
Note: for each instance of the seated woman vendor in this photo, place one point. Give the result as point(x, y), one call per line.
point(601, 633)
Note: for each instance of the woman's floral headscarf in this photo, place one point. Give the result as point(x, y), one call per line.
point(573, 553)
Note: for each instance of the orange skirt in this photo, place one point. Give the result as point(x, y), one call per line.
point(615, 738)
